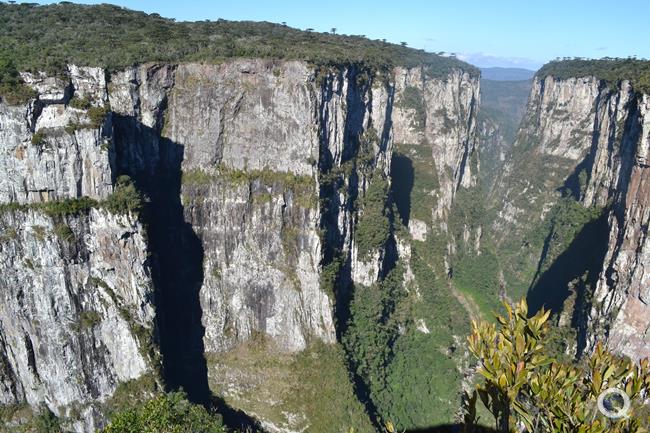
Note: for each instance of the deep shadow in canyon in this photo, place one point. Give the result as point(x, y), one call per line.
point(403, 178)
point(154, 164)
point(578, 265)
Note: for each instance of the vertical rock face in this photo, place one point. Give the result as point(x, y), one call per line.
point(68, 156)
point(439, 114)
point(256, 173)
point(77, 315)
point(75, 303)
point(592, 141)
point(620, 309)
point(250, 144)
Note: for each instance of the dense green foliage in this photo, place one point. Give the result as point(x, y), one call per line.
point(24, 419)
point(67, 206)
point(410, 371)
point(12, 90)
point(324, 391)
point(196, 177)
point(38, 138)
point(374, 224)
point(314, 382)
point(125, 198)
point(372, 330)
point(132, 393)
point(401, 342)
point(566, 219)
point(610, 70)
point(166, 413)
point(415, 181)
point(48, 37)
point(475, 265)
point(423, 381)
point(63, 232)
point(97, 115)
point(55, 208)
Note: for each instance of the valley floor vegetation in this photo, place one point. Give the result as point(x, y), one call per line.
point(523, 388)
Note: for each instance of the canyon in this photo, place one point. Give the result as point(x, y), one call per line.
point(307, 239)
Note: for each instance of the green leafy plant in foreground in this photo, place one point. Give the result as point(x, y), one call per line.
point(524, 387)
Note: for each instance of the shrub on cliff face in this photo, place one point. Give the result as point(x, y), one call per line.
point(38, 138)
point(524, 386)
point(63, 232)
point(97, 115)
point(125, 198)
point(69, 206)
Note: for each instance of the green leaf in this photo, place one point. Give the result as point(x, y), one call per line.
point(525, 416)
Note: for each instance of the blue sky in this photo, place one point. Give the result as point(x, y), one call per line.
point(520, 33)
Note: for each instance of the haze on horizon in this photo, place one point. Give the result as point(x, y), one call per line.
point(508, 33)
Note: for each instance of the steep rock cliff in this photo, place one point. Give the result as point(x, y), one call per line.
point(585, 140)
point(264, 181)
point(411, 318)
point(76, 314)
point(78, 309)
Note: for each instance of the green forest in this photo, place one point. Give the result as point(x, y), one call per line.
point(49, 37)
point(612, 70)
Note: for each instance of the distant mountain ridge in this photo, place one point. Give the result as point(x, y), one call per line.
point(507, 74)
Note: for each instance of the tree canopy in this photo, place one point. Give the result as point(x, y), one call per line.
point(48, 37)
point(611, 70)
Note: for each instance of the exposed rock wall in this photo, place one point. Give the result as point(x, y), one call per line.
point(444, 121)
point(255, 173)
point(76, 315)
point(590, 141)
point(63, 161)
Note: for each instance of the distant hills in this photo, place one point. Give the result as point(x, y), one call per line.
point(507, 74)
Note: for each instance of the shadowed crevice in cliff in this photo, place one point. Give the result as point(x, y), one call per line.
point(575, 184)
point(154, 163)
point(331, 183)
point(578, 265)
point(403, 178)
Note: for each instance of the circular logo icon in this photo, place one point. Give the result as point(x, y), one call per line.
point(613, 403)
